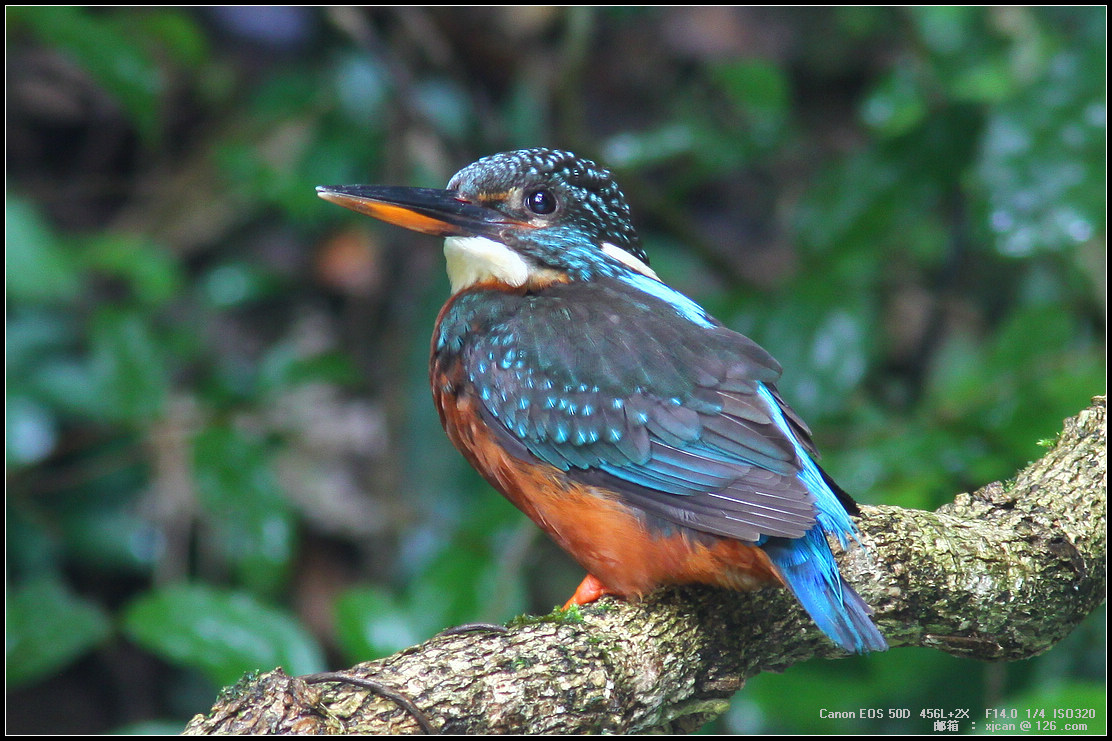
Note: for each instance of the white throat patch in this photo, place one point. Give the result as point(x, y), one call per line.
point(474, 259)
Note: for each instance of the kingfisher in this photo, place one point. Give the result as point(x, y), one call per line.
point(645, 437)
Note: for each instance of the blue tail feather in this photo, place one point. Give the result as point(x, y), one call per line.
point(808, 565)
point(812, 575)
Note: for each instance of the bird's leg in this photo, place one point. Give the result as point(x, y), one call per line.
point(589, 590)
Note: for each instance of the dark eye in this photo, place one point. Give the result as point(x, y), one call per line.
point(541, 202)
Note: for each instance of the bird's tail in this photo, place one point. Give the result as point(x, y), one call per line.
point(806, 563)
point(812, 575)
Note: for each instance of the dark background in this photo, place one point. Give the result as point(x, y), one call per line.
point(221, 450)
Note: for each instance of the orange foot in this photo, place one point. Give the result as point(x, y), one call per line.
point(589, 590)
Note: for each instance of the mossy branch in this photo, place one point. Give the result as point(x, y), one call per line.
point(1003, 573)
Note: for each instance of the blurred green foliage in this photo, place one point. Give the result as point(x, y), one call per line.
point(219, 632)
point(221, 452)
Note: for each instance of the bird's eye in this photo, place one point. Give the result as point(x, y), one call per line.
point(541, 202)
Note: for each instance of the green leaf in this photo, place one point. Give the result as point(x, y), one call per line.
point(220, 633)
point(39, 268)
point(945, 30)
point(147, 267)
point(756, 85)
point(251, 519)
point(178, 34)
point(129, 361)
point(823, 337)
point(466, 581)
point(112, 537)
point(49, 628)
point(896, 104)
point(285, 365)
point(236, 283)
point(113, 57)
point(761, 92)
point(1042, 162)
point(448, 592)
point(371, 622)
point(849, 203)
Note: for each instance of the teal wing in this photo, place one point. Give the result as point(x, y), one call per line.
point(675, 417)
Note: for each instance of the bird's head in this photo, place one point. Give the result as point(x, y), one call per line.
point(532, 216)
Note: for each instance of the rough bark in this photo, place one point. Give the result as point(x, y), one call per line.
point(1003, 573)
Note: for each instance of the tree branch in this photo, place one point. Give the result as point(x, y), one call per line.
point(1003, 573)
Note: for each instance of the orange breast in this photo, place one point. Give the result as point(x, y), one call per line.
point(606, 537)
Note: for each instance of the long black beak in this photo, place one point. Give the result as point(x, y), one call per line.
point(441, 213)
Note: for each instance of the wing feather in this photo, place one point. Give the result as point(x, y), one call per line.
point(671, 415)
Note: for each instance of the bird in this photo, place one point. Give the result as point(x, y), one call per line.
point(646, 438)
